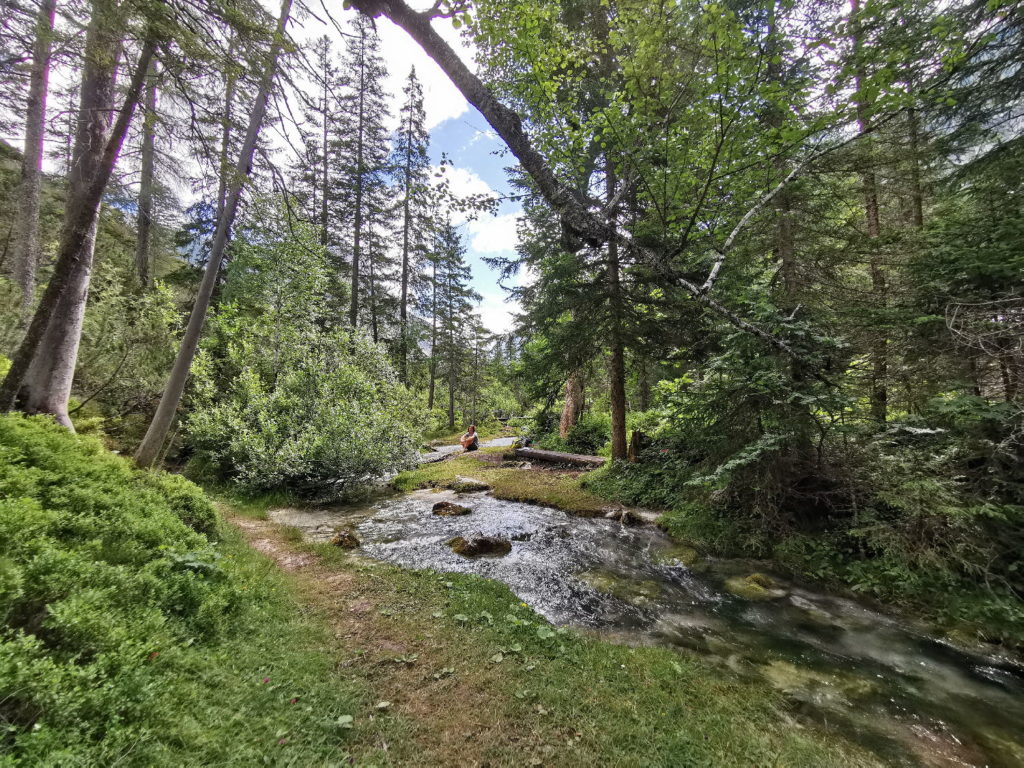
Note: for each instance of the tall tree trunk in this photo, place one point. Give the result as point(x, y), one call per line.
point(573, 405)
point(26, 253)
point(43, 365)
point(373, 292)
point(452, 354)
point(879, 344)
point(144, 237)
point(149, 448)
point(324, 170)
point(916, 188)
point(403, 309)
point(617, 365)
point(433, 340)
point(226, 130)
point(357, 225)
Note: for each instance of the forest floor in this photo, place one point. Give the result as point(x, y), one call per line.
point(454, 670)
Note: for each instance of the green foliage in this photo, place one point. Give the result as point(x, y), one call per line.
point(100, 571)
point(282, 403)
point(125, 632)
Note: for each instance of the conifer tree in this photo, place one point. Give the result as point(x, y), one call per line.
point(453, 305)
point(411, 164)
point(363, 148)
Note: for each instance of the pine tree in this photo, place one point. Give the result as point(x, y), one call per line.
point(363, 148)
point(411, 164)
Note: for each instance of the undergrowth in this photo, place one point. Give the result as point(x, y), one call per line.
point(136, 630)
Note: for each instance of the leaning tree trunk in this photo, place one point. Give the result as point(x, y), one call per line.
point(43, 365)
point(149, 448)
point(144, 236)
point(26, 254)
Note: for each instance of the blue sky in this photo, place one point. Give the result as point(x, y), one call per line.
point(475, 152)
point(459, 131)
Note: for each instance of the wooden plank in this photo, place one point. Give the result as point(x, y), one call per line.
point(556, 457)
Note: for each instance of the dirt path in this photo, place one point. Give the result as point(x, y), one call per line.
point(444, 689)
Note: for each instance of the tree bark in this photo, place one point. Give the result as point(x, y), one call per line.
point(573, 405)
point(403, 309)
point(869, 181)
point(144, 236)
point(357, 224)
point(26, 254)
point(617, 365)
point(433, 340)
point(44, 361)
point(149, 448)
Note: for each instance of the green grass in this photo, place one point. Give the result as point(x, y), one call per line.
point(559, 697)
point(561, 490)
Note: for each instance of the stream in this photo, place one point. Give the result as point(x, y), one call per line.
point(881, 681)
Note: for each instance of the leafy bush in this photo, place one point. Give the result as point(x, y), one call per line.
point(283, 401)
point(591, 432)
point(332, 420)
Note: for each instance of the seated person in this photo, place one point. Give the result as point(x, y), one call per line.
point(470, 441)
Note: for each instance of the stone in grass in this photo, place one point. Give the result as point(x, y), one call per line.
point(480, 546)
point(756, 586)
point(344, 539)
point(467, 485)
point(450, 509)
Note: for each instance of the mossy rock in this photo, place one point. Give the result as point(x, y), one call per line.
point(480, 546)
point(757, 586)
point(468, 485)
point(681, 555)
point(838, 688)
point(345, 540)
point(633, 592)
point(450, 509)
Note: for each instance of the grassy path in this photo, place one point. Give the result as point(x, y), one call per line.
point(453, 670)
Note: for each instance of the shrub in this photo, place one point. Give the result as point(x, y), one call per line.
point(99, 570)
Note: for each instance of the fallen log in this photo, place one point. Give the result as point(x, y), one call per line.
point(557, 457)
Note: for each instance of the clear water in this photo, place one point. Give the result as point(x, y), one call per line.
point(911, 698)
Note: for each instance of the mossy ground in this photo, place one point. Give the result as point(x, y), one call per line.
point(538, 485)
point(450, 669)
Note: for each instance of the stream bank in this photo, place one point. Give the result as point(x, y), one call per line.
point(907, 697)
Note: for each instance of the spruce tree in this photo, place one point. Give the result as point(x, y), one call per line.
point(363, 150)
point(411, 164)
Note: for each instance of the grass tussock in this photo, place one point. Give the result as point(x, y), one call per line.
point(561, 490)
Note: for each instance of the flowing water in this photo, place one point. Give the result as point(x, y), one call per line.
point(911, 698)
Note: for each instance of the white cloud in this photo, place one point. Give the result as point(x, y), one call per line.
point(442, 100)
point(495, 234)
point(497, 314)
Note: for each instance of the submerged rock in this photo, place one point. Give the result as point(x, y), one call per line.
point(344, 540)
point(450, 509)
point(756, 586)
point(633, 592)
point(480, 546)
point(468, 485)
point(680, 555)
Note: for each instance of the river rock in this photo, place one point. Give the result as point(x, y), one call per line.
point(628, 590)
point(344, 540)
point(468, 485)
point(680, 555)
point(450, 509)
point(756, 586)
point(480, 546)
